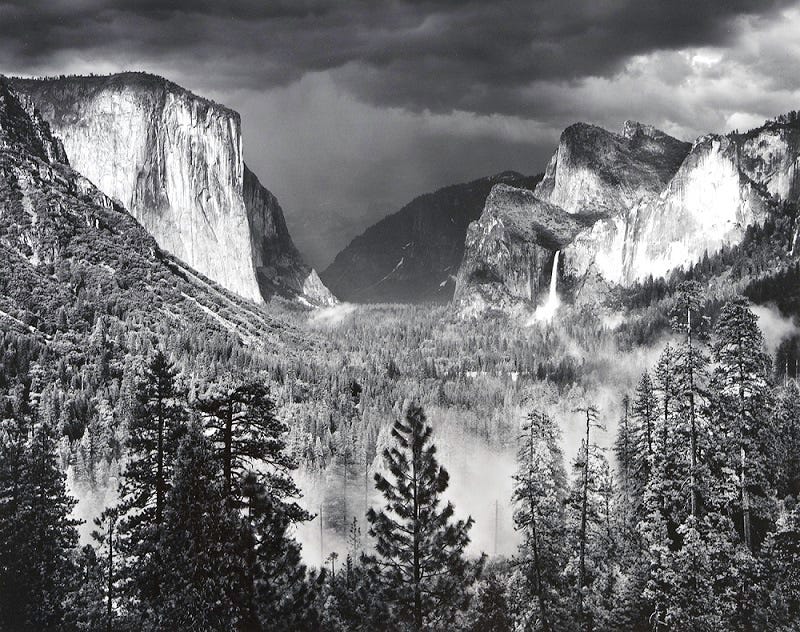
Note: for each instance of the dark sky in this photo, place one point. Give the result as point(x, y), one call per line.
point(352, 108)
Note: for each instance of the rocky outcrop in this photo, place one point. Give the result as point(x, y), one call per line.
point(175, 161)
point(277, 263)
point(770, 155)
point(596, 171)
point(661, 203)
point(709, 202)
point(609, 176)
point(413, 255)
point(22, 127)
point(509, 250)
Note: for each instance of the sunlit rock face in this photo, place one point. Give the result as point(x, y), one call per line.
point(175, 161)
point(509, 251)
point(661, 203)
point(610, 176)
point(770, 155)
point(644, 203)
point(709, 202)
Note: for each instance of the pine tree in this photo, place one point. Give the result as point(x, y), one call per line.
point(782, 555)
point(86, 603)
point(741, 382)
point(420, 550)
point(664, 506)
point(489, 610)
point(630, 506)
point(248, 441)
point(279, 592)
point(200, 566)
point(39, 537)
point(626, 450)
point(583, 504)
point(157, 423)
point(644, 412)
point(246, 434)
point(539, 496)
point(106, 537)
point(691, 364)
point(788, 448)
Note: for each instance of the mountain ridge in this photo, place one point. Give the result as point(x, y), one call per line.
point(413, 254)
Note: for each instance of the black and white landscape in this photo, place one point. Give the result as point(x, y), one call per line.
point(517, 349)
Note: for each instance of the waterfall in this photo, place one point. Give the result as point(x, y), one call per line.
point(554, 279)
point(547, 310)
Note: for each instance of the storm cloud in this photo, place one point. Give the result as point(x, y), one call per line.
point(353, 108)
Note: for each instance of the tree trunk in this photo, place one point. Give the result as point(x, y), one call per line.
point(746, 529)
point(582, 562)
point(110, 573)
point(416, 552)
point(693, 446)
point(160, 466)
point(228, 450)
point(535, 544)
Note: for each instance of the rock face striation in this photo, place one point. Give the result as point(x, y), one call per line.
point(413, 255)
point(175, 161)
point(647, 203)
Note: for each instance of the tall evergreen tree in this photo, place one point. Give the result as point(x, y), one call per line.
point(157, 423)
point(582, 501)
point(106, 537)
point(644, 412)
point(201, 568)
point(246, 434)
point(280, 593)
point(38, 535)
point(248, 441)
point(788, 448)
point(742, 384)
point(664, 503)
point(782, 555)
point(539, 496)
point(420, 550)
point(690, 367)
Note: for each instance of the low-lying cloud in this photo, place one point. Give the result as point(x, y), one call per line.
point(775, 326)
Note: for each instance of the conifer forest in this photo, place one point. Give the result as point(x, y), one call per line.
point(672, 506)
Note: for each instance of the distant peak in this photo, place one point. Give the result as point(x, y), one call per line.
point(635, 129)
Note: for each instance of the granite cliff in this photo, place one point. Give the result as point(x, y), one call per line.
point(509, 250)
point(70, 254)
point(175, 161)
